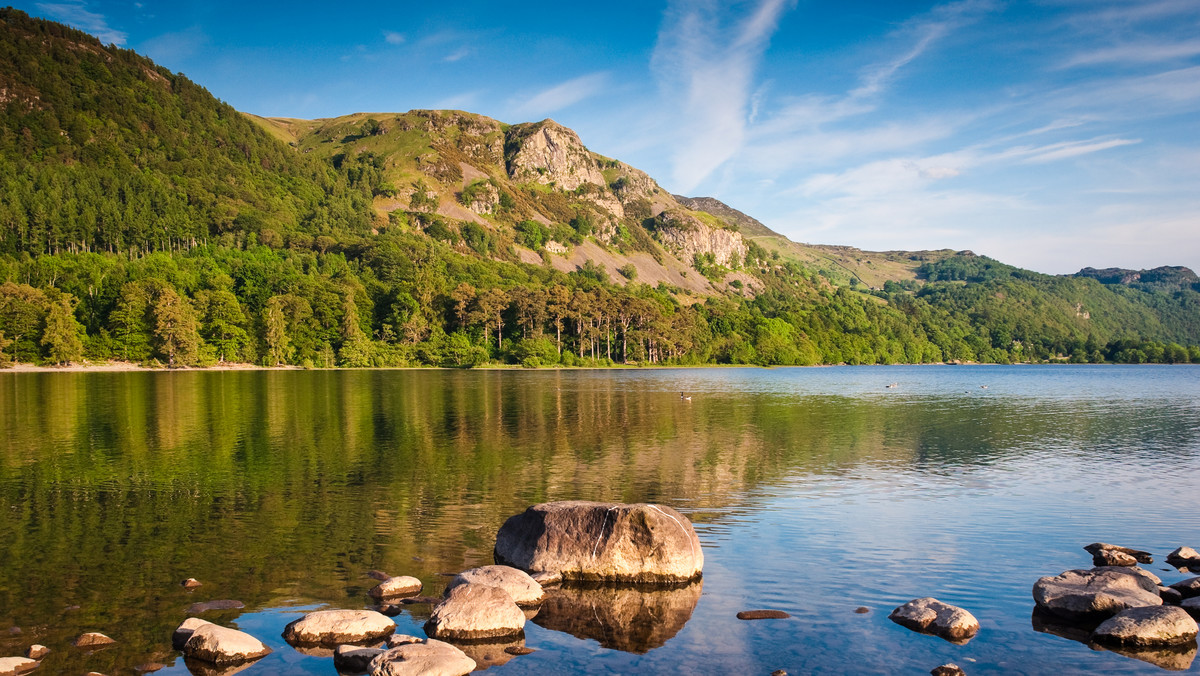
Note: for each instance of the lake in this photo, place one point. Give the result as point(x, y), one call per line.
point(813, 490)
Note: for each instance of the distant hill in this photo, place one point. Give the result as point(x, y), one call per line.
point(748, 225)
point(143, 219)
point(1172, 278)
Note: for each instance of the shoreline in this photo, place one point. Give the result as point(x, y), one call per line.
point(131, 367)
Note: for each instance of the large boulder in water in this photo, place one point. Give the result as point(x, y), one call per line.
point(475, 611)
point(332, 627)
point(1148, 627)
point(931, 616)
point(519, 585)
point(424, 658)
point(222, 645)
point(1095, 594)
point(1184, 557)
point(593, 541)
point(12, 666)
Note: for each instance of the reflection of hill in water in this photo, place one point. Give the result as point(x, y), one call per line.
point(292, 484)
point(632, 619)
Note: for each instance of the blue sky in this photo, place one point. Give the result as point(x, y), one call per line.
point(1053, 134)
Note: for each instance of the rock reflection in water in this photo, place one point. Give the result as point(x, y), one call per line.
point(202, 668)
point(631, 619)
point(490, 653)
point(1176, 658)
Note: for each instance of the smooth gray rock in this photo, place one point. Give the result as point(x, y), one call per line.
point(1094, 594)
point(602, 542)
point(1169, 595)
point(517, 583)
point(1148, 627)
point(423, 658)
point(1192, 606)
point(931, 616)
point(333, 627)
point(223, 646)
point(474, 611)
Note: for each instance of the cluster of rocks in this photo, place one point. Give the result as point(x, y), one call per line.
point(1119, 606)
point(480, 618)
point(13, 666)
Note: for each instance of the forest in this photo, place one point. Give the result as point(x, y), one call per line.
point(143, 220)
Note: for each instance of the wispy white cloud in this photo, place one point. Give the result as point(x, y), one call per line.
point(457, 55)
point(563, 95)
point(1062, 151)
point(1136, 53)
point(393, 37)
point(78, 15)
point(706, 64)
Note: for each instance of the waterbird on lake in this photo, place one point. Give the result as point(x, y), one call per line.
point(983, 387)
point(685, 398)
point(893, 385)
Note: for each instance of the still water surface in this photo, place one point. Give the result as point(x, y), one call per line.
point(814, 491)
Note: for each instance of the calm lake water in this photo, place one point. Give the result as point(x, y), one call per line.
point(813, 491)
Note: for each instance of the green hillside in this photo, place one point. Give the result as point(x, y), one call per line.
point(143, 220)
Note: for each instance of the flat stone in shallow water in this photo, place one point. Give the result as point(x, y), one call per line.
point(1184, 557)
point(473, 611)
point(11, 666)
point(602, 541)
point(400, 585)
point(222, 645)
point(331, 627)
point(36, 651)
point(1095, 594)
point(930, 616)
point(517, 583)
point(1148, 627)
point(424, 658)
point(1104, 554)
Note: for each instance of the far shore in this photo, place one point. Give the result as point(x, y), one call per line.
point(124, 366)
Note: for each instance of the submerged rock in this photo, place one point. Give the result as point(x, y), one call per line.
point(221, 604)
point(222, 645)
point(1095, 594)
point(12, 666)
point(474, 611)
point(400, 585)
point(378, 575)
point(547, 578)
point(190, 583)
point(762, 615)
point(93, 639)
point(331, 627)
point(1171, 658)
point(354, 658)
point(950, 669)
point(620, 617)
point(602, 541)
point(517, 583)
point(1147, 627)
point(1104, 554)
point(930, 616)
point(425, 658)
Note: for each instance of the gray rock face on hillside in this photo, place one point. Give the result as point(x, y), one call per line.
point(595, 541)
point(546, 152)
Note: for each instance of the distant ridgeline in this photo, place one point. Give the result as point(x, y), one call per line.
point(141, 219)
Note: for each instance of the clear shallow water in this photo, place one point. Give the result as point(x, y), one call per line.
point(814, 491)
